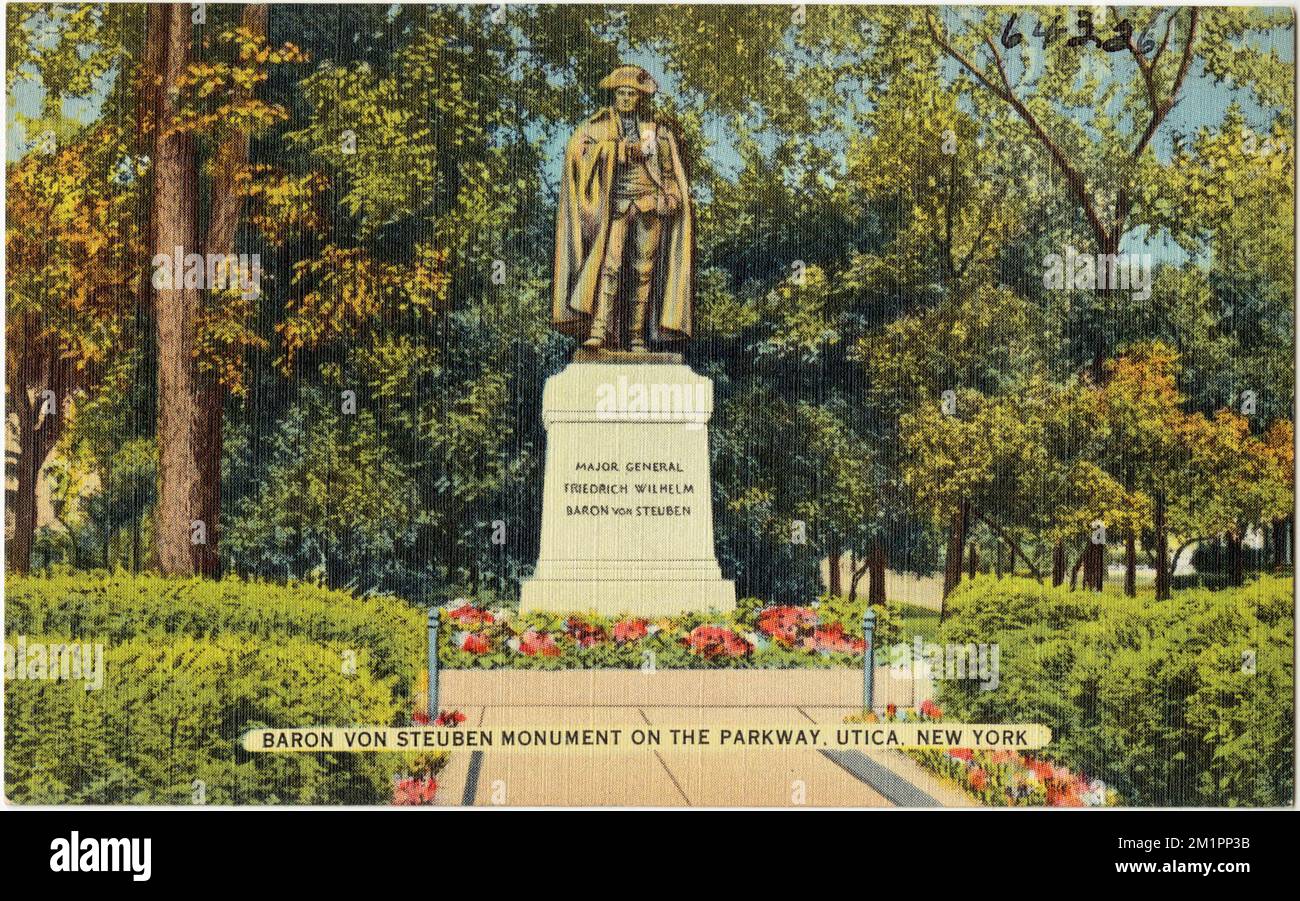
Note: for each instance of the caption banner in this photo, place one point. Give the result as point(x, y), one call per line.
point(862, 736)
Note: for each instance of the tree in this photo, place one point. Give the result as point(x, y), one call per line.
point(173, 214)
point(1236, 481)
point(206, 104)
point(1139, 409)
point(72, 244)
point(72, 248)
point(971, 454)
point(934, 369)
point(1100, 130)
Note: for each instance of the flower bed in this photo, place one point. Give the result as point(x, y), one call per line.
point(417, 784)
point(1001, 778)
point(821, 635)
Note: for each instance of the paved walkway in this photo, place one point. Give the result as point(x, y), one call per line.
point(675, 777)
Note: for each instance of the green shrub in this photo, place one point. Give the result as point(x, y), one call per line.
point(1152, 697)
point(988, 604)
point(173, 710)
point(117, 607)
point(849, 614)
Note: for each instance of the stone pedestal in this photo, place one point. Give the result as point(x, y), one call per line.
point(627, 510)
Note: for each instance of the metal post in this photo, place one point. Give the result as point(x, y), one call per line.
point(433, 664)
point(868, 659)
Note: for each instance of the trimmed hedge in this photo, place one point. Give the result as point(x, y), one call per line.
point(174, 709)
point(119, 606)
point(1158, 699)
point(189, 667)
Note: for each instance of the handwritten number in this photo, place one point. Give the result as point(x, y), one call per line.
point(1116, 43)
point(1053, 31)
point(1123, 33)
point(1085, 32)
point(1009, 38)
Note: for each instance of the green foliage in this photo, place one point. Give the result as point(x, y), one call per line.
point(848, 614)
point(172, 713)
point(120, 607)
point(330, 501)
point(1184, 702)
point(191, 665)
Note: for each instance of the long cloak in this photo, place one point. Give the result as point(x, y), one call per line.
point(585, 211)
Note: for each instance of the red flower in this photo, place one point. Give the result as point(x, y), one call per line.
point(786, 623)
point(448, 718)
point(716, 641)
point(931, 709)
point(834, 638)
point(585, 634)
point(420, 718)
point(891, 710)
point(961, 753)
point(1061, 795)
point(630, 630)
point(410, 791)
point(538, 644)
point(978, 779)
point(1042, 769)
point(476, 643)
point(469, 615)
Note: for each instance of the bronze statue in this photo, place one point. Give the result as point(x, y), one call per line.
point(624, 235)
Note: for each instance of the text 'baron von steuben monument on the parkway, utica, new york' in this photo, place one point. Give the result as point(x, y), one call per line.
point(627, 511)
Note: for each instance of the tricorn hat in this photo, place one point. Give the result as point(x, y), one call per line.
point(630, 76)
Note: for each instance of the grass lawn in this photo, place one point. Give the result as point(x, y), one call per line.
point(914, 620)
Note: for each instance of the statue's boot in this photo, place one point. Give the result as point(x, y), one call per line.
point(602, 320)
point(640, 309)
point(639, 325)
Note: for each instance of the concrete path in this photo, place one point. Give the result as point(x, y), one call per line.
point(674, 777)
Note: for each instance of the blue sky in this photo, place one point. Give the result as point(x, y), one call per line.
point(1203, 103)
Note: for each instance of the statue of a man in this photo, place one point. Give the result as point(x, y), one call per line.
point(623, 245)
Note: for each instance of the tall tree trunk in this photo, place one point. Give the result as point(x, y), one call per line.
point(1093, 565)
point(1058, 563)
point(956, 544)
point(1163, 586)
point(207, 466)
point(1236, 559)
point(1130, 563)
point(226, 209)
point(18, 551)
point(858, 570)
point(879, 561)
point(175, 308)
point(974, 561)
point(1281, 543)
point(833, 557)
